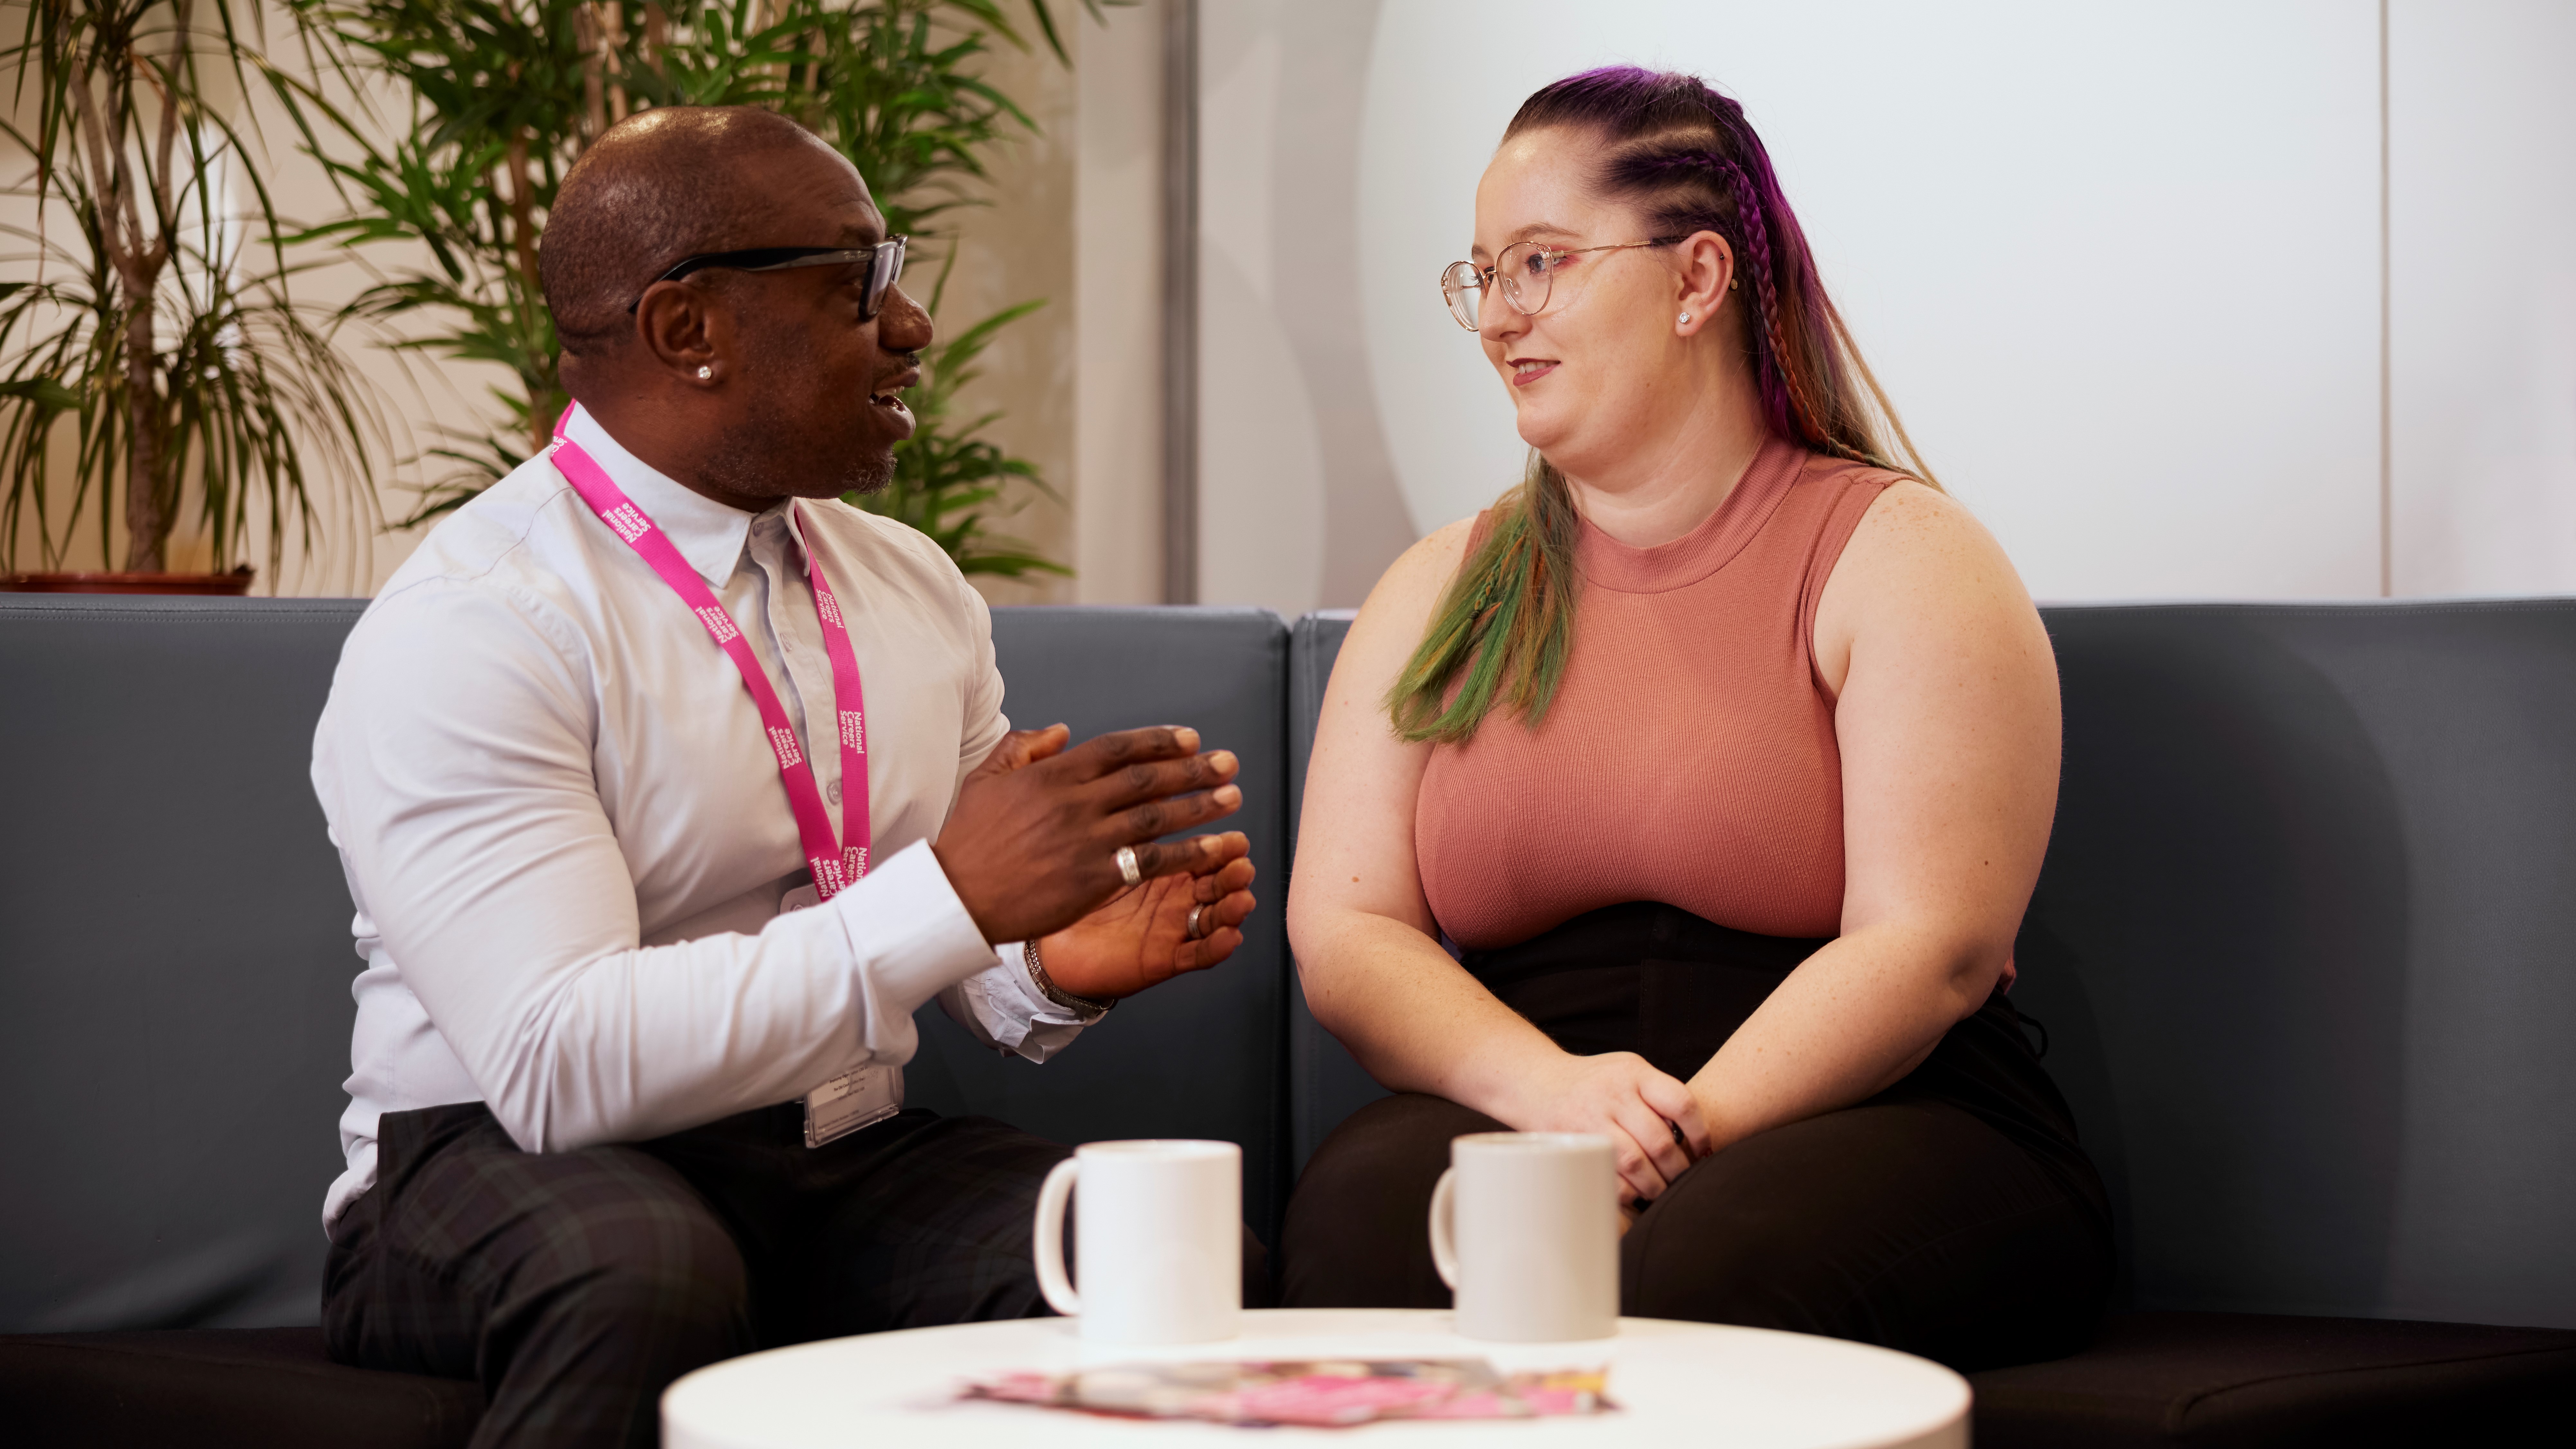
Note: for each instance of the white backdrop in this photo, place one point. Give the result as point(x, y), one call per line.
point(2117, 265)
point(2120, 266)
point(2482, 112)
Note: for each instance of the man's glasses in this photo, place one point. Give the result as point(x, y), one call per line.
point(1525, 273)
point(884, 261)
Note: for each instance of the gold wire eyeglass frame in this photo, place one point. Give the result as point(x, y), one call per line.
point(1459, 278)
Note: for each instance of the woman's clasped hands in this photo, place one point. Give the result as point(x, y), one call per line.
point(1654, 1123)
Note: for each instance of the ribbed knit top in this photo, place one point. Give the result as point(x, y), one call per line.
point(1689, 755)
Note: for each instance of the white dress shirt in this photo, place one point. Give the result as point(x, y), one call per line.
point(566, 836)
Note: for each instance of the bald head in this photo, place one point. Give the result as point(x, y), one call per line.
point(661, 185)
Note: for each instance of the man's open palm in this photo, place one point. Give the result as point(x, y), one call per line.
point(1141, 937)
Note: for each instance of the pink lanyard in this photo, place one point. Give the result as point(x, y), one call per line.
point(835, 866)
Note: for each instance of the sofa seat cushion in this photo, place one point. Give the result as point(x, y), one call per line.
point(255, 1388)
point(2258, 1379)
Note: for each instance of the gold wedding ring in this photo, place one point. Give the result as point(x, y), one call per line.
point(1127, 870)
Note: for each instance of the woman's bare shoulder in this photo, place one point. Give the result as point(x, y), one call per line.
point(1913, 536)
point(1390, 624)
point(1919, 568)
point(1434, 558)
point(1411, 587)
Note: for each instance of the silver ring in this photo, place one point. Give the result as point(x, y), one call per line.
point(1127, 870)
point(1192, 929)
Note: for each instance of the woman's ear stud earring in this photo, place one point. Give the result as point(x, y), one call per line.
point(1685, 319)
point(705, 373)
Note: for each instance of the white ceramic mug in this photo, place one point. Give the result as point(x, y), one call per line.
point(1159, 1241)
point(1525, 1226)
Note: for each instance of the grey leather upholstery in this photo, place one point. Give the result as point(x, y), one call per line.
point(174, 962)
point(1325, 1084)
point(2304, 946)
point(2301, 945)
point(1198, 1056)
point(175, 957)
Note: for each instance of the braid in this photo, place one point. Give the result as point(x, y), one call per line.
point(1503, 630)
point(1770, 348)
point(1757, 239)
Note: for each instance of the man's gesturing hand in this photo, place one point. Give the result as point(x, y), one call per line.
point(1141, 938)
point(1032, 844)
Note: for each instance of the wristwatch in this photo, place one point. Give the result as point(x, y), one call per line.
point(1078, 1005)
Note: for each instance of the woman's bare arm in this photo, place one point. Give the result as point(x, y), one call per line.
point(1947, 717)
point(1367, 954)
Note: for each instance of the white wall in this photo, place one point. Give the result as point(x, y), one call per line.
point(1298, 501)
point(2482, 186)
point(2120, 266)
point(1117, 307)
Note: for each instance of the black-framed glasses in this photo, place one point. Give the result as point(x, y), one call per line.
point(1527, 272)
point(884, 261)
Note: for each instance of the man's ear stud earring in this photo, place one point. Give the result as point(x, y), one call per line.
point(705, 373)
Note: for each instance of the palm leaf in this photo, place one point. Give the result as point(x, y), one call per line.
point(897, 85)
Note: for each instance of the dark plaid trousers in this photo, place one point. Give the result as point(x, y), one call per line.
point(577, 1285)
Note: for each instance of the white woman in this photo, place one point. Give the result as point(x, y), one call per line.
point(1692, 794)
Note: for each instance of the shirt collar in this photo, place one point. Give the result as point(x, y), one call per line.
point(707, 533)
point(795, 519)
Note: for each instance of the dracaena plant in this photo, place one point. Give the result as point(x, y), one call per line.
point(154, 364)
point(502, 97)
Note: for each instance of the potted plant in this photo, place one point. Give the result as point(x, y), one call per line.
point(155, 370)
point(505, 94)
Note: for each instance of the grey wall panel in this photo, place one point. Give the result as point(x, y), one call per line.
point(174, 962)
point(1199, 1056)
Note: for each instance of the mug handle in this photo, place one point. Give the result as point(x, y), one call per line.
point(1444, 1217)
point(1049, 1247)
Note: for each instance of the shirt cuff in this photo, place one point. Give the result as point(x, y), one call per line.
point(1024, 993)
point(910, 936)
point(1003, 1009)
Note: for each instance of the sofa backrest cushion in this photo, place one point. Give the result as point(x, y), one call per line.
point(174, 962)
point(2304, 947)
point(1325, 1084)
point(1199, 1056)
point(175, 957)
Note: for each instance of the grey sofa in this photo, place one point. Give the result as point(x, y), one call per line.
point(2302, 948)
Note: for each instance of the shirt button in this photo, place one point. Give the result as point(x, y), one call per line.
point(835, 792)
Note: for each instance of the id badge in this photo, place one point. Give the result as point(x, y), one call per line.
point(850, 1101)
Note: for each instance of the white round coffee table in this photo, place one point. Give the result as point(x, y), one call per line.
point(1747, 1388)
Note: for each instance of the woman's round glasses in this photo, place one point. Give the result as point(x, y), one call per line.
point(1525, 273)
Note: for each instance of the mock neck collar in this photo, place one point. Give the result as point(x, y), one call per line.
point(1607, 563)
point(708, 534)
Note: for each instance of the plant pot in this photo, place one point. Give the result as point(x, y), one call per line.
point(235, 583)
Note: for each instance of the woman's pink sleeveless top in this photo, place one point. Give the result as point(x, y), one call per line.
point(1689, 754)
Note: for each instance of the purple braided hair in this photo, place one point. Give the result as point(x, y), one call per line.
point(1784, 402)
point(1505, 626)
point(1669, 136)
